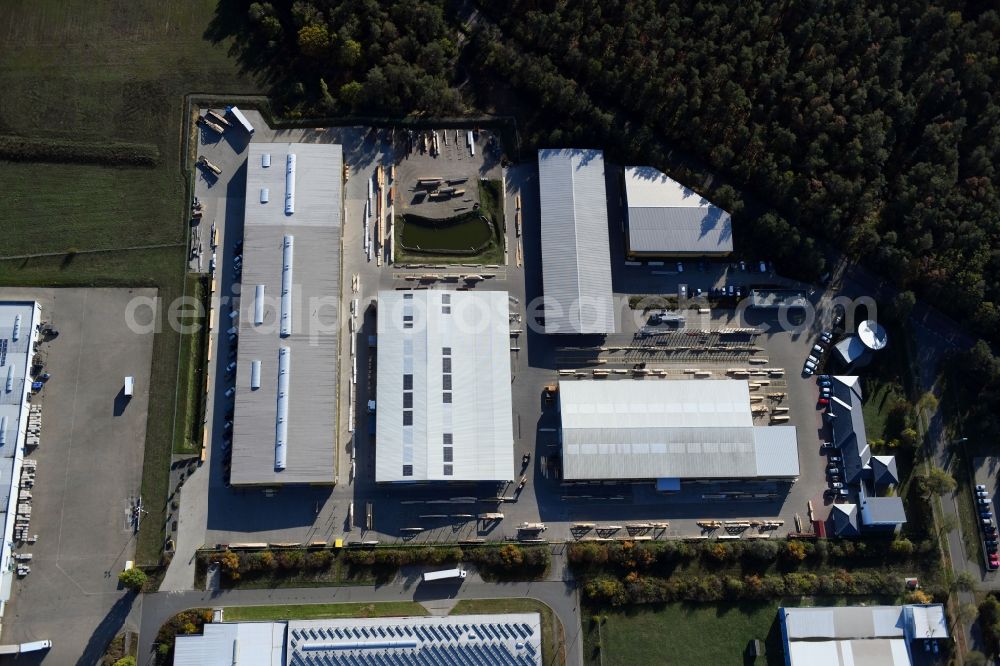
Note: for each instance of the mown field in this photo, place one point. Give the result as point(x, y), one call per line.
point(690, 634)
point(97, 70)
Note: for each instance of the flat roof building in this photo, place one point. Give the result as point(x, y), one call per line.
point(666, 219)
point(512, 638)
point(576, 255)
point(443, 408)
point(19, 324)
point(684, 429)
point(859, 635)
point(285, 426)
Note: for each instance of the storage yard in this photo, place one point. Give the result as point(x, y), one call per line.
point(715, 343)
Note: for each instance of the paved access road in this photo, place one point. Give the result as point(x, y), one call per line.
point(560, 596)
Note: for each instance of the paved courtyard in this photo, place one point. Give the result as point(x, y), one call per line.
point(88, 475)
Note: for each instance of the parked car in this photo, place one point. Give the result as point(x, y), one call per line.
point(823, 402)
point(818, 350)
point(808, 370)
point(980, 486)
point(743, 265)
point(825, 383)
point(823, 377)
point(813, 358)
point(826, 336)
point(826, 446)
point(835, 459)
point(763, 267)
point(994, 561)
point(991, 548)
point(732, 290)
point(836, 485)
point(680, 267)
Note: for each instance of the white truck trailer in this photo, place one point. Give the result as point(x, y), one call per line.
point(445, 574)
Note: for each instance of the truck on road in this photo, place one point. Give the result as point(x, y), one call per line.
point(445, 574)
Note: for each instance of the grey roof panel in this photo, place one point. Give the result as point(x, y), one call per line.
point(883, 511)
point(664, 217)
point(313, 343)
point(679, 231)
point(576, 261)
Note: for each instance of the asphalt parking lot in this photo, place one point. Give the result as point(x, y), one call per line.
point(88, 475)
point(986, 473)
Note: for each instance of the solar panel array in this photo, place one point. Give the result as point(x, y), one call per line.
point(451, 641)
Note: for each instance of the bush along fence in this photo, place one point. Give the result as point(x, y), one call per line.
point(63, 151)
point(653, 572)
point(506, 561)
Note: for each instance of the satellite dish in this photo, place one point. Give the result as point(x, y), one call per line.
point(873, 335)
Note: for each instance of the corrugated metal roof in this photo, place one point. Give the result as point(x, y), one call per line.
point(313, 343)
point(664, 217)
point(479, 417)
point(225, 644)
point(846, 622)
point(576, 261)
point(926, 620)
point(878, 652)
point(689, 429)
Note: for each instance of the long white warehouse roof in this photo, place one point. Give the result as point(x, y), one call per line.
point(285, 430)
point(687, 429)
point(664, 217)
point(19, 322)
point(443, 387)
point(576, 261)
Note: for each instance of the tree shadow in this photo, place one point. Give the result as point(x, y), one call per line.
point(107, 630)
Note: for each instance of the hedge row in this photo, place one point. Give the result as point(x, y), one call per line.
point(62, 151)
point(761, 553)
point(496, 560)
point(639, 589)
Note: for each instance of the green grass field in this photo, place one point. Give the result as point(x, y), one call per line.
point(191, 378)
point(553, 636)
point(684, 635)
point(325, 611)
point(97, 70)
